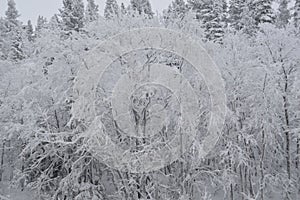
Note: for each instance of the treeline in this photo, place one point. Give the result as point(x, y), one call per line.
point(215, 17)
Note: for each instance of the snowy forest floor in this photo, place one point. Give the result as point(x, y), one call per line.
point(9, 193)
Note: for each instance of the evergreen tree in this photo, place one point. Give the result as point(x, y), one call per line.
point(248, 21)
point(178, 8)
point(176, 11)
point(12, 14)
point(236, 13)
point(2, 25)
point(263, 12)
point(91, 13)
point(196, 5)
point(2, 38)
point(111, 9)
point(16, 50)
point(13, 33)
point(54, 22)
point(297, 13)
point(29, 31)
point(142, 7)
point(41, 23)
point(212, 14)
point(72, 14)
point(283, 16)
point(242, 14)
point(224, 15)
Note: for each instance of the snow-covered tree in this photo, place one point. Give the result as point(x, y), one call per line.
point(91, 12)
point(29, 31)
point(12, 32)
point(54, 22)
point(175, 12)
point(178, 8)
point(142, 7)
point(12, 14)
point(3, 42)
point(212, 15)
point(297, 13)
point(279, 60)
point(237, 10)
point(16, 51)
point(44, 145)
point(41, 23)
point(263, 12)
point(283, 15)
point(72, 14)
point(248, 19)
point(196, 6)
point(111, 9)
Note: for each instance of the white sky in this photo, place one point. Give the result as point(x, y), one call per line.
point(30, 9)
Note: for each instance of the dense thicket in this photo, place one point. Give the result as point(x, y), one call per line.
point(43, 145)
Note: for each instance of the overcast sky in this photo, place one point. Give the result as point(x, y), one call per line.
point(30, 9)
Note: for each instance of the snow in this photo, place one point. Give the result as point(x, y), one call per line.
point(8, 193)
point(185, 106)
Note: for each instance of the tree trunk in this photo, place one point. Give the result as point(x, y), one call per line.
point(2, 160)
point(251, 185)
point(231, 192)
point(242, 181)
point(262, 175)
point(286, 129)
point(298, 154)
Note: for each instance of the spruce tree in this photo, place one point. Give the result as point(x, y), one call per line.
point(16, 49)
point(29, 31)
point(283, 16)
point(111, 9)
point(212, 14)
point(72, 14)
point(12, 14)
point(263, 12)
point(54, 22)
point(224, 15)
point(248, 22)
point(196, 5)
point(3, 43)
point(13, 33)
point(142, 7)
point(91, 12)
point(236, 13)
point(297, 13)
point(175, 13)
point(41, 23)
point(176, 10)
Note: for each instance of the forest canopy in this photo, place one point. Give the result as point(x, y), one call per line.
point(44, 143)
